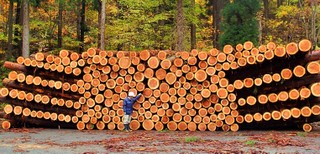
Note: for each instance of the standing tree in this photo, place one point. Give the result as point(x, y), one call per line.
point(10, 30)
point(214, 8)
point(25, 29)
point(61, 3)
point(239, 22)
point(180, 21)
point(102, 22)
point(17, 30)
point(81, 23)
point(193, 27)
point(315, 24)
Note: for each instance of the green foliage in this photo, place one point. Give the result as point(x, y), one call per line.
point(250, 142)
point(164, 130)
point(302, 134)
point(239, 22)
point(191, 139)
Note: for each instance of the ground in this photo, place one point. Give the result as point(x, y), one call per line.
point(38, 140)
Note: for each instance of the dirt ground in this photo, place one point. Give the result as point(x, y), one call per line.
point(73, 141)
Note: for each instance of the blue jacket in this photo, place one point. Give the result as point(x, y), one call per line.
point(128, 104)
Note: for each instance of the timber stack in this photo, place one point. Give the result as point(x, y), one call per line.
point(241, 87)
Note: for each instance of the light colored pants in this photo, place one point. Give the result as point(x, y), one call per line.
point(126, 119)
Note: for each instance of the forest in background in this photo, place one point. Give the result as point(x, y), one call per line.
point(29, 26)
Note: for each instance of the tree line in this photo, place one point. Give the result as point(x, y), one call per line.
point(29, 26)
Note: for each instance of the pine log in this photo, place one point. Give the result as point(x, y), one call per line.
point(292, 48)
point(280, 51)
point(305, 45)
point(307, 127)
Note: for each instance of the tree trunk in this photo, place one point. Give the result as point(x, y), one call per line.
point(102, 22)
point(314, 35)
point(179, 27)
point(193, 27)
point(60, 24)
point(17, 32)
point(279, 3)
point(10, 31)
point(217, 7)
point(25, 29)
point(82, 24)
point(79, 25)
point(266, 8)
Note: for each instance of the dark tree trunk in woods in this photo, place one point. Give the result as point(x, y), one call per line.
point(102, 21)
point(179, 27)
point(279, 3)
point(82, 23)
point(266, 8)
point(315, 32)
point(217, 8)
point(193, 27)
point(10, 30)
point(60, 24)
point(25, 29)
point(16, 30)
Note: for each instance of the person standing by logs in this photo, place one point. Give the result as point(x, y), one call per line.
point(128, 108)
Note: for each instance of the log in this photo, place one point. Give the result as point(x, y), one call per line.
point(305, 45)
point(299, 71)
point(227, 49)
point(248, 82)
point(204, 64)
point(262, 99)
point(229, 120)
point(286, 74)
point(240, 119)
point(313, 67)
point(251, 60)
point(248, 45)
point(148, 124)
point(6, 125)
point(144, 55)
point(280, 51)
point(234, 127)
point(315, 110)
point(258, 81)
point(307, 127)
point(251, 100)
point(286, 114)
point(248, 118)
point(273, 97)
point(153, 83)
point(276, 115)
point(283, 96)
point(8, 109)
point(295, 112)
point(267, 78)
point(304, 93)
point(292, 48)
point(306, 111)
point(170, 78)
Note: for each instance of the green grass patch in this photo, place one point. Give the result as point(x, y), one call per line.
point(302, 134)
point(2, 106)
point(191, 139)
point(250, 142)
point(164, 130)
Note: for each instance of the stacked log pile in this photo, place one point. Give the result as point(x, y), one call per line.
point(238, 87)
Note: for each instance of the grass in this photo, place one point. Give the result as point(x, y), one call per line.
point(2, 106)
point(302, 134)
point(250, 142)
point(164, 130)
point(191, 139)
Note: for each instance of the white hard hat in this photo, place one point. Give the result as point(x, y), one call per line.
point(131, 93)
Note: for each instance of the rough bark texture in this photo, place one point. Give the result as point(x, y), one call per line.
point(25, 29)
point(180, 29)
